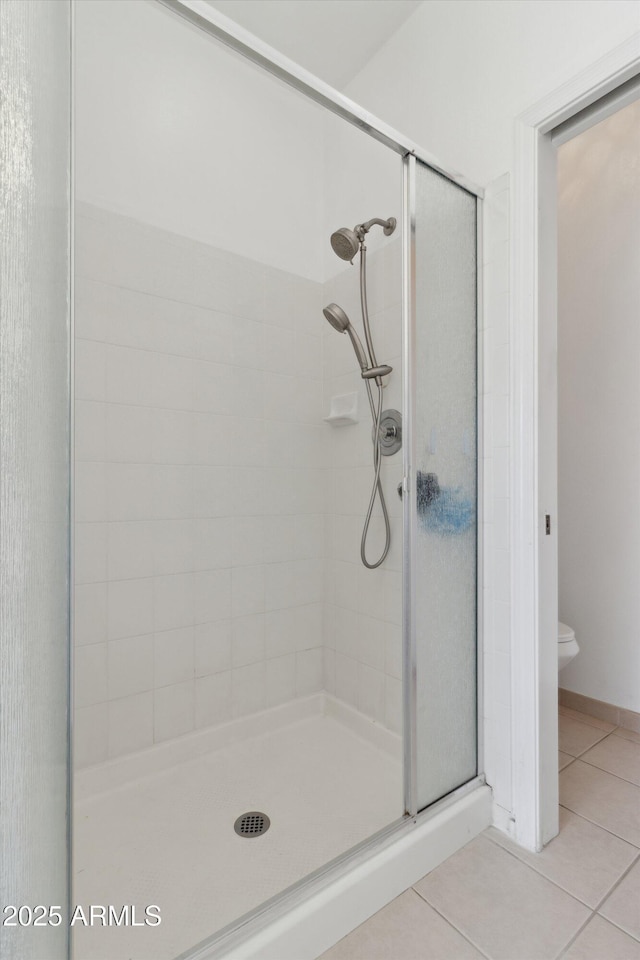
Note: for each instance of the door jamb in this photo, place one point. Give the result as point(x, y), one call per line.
point(534, 678)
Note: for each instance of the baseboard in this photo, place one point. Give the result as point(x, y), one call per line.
point(608, 712)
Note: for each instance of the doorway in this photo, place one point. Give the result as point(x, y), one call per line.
point(597, 92)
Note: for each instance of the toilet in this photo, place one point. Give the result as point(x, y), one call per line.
point(567, 645)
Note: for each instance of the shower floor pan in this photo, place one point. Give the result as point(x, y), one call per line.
point(168, 839)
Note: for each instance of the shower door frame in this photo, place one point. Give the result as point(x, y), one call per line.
point(206, 18)
point(345, 891)
point(410, 511)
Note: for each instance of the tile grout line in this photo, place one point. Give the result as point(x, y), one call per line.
point(590, 747)
point(565, 767)
point(87, 277)
point(618, 927)
point(633, 783)
point(573, 939)
point(599, 825)
point(584, 760)
point(615, 887)
point(595, 822)
point(543, 876)
point(594, 910)
point(595, 913)
point(558, 885)
point(450, 923)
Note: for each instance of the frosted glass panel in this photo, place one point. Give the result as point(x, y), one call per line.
point(34, 475)
point(446, 483)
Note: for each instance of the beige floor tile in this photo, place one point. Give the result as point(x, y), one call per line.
point(574, 737)
point(610, 802)
point(628, 734)
point(585, 718)
point(583, 859)
point(564, 759)
point(602, 941)
point(406, 928)
point(618, 756)
point(623, 906)
point(499, 903)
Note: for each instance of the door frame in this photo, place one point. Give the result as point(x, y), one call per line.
point(533, 480)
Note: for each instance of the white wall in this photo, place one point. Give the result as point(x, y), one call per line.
point(599, 406)
point(455, 75)
point(172, 132)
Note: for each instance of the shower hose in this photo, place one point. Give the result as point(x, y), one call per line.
point(376, 416)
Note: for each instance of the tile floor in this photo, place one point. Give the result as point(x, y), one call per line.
point(577, 900)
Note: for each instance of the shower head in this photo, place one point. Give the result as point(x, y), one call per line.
point(340, 322)
point(345, 243)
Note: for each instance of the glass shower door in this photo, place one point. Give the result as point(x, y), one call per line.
point(442, 473)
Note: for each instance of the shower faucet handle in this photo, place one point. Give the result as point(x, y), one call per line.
point(389, 433)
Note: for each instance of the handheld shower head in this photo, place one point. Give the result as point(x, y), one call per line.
point(340, 322)
point(345, 243)
point(337, 317)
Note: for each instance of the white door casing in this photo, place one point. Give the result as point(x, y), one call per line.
point(534, 441)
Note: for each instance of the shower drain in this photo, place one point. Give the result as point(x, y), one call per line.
point(252, 824)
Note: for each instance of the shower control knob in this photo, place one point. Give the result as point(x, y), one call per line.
point(390, 432)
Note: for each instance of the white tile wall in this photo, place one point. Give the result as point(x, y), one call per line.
point(200, 486)
point(363, 613)
point(219, 519)
point(497, 504)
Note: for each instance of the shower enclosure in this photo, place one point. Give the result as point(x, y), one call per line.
point(275, 530)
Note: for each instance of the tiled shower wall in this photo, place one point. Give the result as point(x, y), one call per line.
point(200, 486)
point(363, 614)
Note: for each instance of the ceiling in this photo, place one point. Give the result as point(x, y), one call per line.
point(333, 39)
